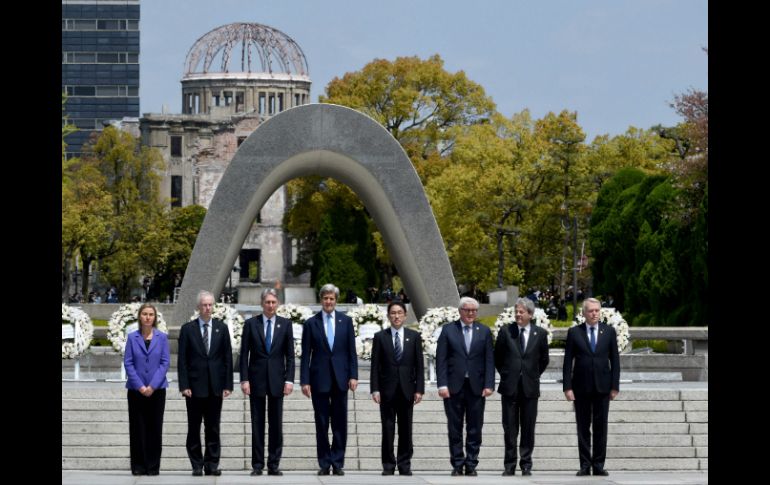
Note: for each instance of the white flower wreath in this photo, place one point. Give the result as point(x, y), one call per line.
point(539, 318)
point(234, 321)
point(431, 324)
point(613, 318)
point(297, 314)
point(124, 321)
point(82, 330)
point(363, 315)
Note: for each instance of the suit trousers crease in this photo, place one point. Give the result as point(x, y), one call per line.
point(331, 408)
point(400, 409)
point(145, 426)
point(519, 417)
point(275, 431)
point(468, 407)
point(591, 413)
point(209, 410)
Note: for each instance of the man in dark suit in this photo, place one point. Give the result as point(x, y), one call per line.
point(205, 365)
point(267, 374)
point(591, 382)
point(465, 377)
point(397, 383)
point(328, 368)
point(521, 357)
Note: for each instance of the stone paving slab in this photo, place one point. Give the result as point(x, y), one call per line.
point(373, 478)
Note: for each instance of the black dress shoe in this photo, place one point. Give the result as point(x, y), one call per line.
point(526, 472)
point(600, 472)
point(136, 472)
point(470, 472)
point(215, 472)
point(256, 473)
point(509, 473)
point(583, 472)
point(197, 472)
point(338, 471)
point(405, 472)
point(457, 472)
point(276, 472)
point(324, 471)
point(154, 472)
point(388, 472)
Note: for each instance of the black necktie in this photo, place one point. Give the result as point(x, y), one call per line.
point(269, 336)
point(206, 337)
point(522, 342)
point(593, 339)
point(397, 348)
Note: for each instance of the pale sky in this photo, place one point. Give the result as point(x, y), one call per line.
point(618, 63)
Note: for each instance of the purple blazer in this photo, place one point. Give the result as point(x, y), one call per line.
point(146, 367)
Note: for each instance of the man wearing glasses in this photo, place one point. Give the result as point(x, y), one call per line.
point(465, 376)
point(398, 383)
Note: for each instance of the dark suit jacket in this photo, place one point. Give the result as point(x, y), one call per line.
point(452, 360)
point(514, 366)
point(146, 367)
point(592, 371)
point(320, 366)
point(267, 372)
point(205, 374)
point(387, 374)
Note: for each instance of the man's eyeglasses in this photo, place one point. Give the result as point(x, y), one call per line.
point(469, 310)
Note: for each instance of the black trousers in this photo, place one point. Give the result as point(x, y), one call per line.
point(145, 430)
point(275, 431)
point(592, 410)
point(331, 407)
point(465, 405)
point(397, 408)
point(209, 410)
point(519, 414)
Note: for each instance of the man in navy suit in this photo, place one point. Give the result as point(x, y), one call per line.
point(465, 371)
point(591, 382)
point(267, 374)
point(397, 383)
point(329, 367)
point(205, 365)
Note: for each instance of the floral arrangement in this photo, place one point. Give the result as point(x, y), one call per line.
point(230, 316)
point(430, 326)
point(614, 319)
point(84, 331)
point(369, 313)
point(297, 314)
point(121, 319)
point(362, 315)
point(539, 318)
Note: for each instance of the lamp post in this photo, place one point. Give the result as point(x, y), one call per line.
point(572, 225)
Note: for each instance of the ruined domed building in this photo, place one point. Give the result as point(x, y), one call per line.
point(236, 76)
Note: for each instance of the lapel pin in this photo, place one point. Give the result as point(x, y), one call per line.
point(407, 339)
point(278, 326)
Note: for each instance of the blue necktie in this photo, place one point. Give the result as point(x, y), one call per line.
point(269, 336)
point(329, 331)
point(593, 339)
point(397, 348)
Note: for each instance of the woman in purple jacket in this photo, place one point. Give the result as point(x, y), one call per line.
point(146, 361)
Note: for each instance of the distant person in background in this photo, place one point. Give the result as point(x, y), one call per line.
point(146, 361)
point(402, 296)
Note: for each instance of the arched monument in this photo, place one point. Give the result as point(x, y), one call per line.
point(330, 141)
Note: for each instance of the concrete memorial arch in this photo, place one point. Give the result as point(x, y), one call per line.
point(330, 141)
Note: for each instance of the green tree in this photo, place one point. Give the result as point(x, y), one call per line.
point(138, 224)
